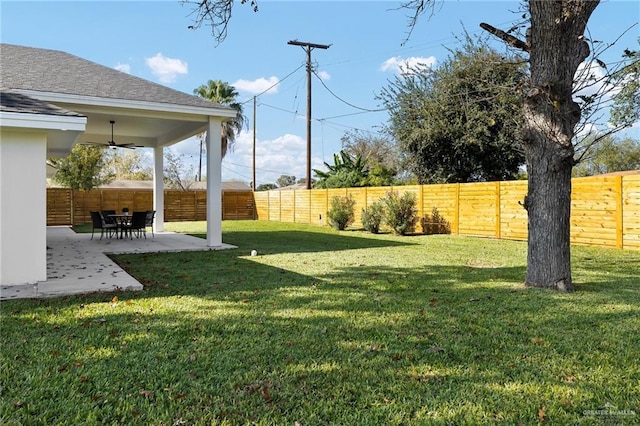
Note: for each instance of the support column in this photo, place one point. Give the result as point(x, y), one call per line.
point(23, 207)
point(214, 184)
point(158, 188)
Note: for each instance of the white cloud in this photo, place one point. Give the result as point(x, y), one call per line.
point(258, 85)
point(590, 79)
point(284, 155)
point(402, 66)
point(123, 67)
point(166, 69)
point(324, 75)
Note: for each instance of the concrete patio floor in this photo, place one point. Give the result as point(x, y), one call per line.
point(76, 264)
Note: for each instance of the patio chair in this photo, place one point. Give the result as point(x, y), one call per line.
point(149, 220)
point(107, 215)
point(137, 224)
point(98, 222)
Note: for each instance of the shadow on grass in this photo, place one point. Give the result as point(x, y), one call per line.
point(244, 342)
point(223, 337)
point(272, 242)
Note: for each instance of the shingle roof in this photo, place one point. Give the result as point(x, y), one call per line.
point(54, 71)
point(17, 102)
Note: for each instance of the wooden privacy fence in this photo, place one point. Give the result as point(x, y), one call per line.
point(66, 207)
point(605, 210)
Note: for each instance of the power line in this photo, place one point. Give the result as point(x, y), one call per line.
point(350, 114)
point(345, 102)
point(259, 169)
point(275, 84)
point(324, 120)
point(236, 173)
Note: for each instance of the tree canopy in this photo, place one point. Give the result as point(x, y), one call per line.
point(266, 187)
point(83, 168)
point(626, 107)
point(221, 92)
point(460, 121)
point(611, 154)
point(178, 174)
point(128, 164)
point(381, 157)
point(285, 180)
point(345, 172)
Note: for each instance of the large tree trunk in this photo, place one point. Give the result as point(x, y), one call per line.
point(557, 47)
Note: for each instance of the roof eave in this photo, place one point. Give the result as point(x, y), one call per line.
point(65, 98)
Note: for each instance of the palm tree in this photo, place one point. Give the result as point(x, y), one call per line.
point(222, 93)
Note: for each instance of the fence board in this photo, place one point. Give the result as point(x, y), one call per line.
point(59, 204)
point(236, 205)
point(303, 206)
point(274, 205)
point(605, 210)
point(630, 206)
point(319, 206)
point(66, 207)
point(287, 206)
point(261, 200)
point(513, 216)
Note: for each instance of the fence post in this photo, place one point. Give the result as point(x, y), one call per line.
point(619, 213)
point(421, 202)
point(456, 218)
point(72, 214)
point(498, 225)
point(295, 220)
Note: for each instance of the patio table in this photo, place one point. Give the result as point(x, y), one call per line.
point(121, 219)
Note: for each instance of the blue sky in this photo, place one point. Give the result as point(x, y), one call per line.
point(150, 39)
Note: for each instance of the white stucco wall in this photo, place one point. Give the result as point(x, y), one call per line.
point(23, 214)
point(214, 184)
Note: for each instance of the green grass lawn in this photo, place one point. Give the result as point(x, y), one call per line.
point(331, 328)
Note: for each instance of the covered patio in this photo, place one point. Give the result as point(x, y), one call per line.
point(77, 264)
point(51, 100)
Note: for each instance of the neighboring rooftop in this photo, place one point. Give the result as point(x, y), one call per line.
point(147, 184)
point(294, 187)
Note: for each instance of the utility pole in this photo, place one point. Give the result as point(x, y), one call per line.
point(253, 183)
point(308, 47)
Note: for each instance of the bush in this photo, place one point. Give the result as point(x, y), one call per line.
point(400, 213)
point(372, 217)
point(435, 224)
point(341, 213)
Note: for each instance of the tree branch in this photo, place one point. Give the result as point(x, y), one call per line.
point(419, 7)
point(511, 40)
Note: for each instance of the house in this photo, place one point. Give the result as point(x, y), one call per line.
point(49, 101)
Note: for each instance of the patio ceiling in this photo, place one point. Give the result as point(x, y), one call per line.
point(139, 123)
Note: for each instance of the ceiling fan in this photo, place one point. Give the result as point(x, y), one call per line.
point(112, 143)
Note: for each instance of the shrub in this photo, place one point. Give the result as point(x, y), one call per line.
point(341, 213)
point(372, 217)
point(435, 224)
point(400, 212)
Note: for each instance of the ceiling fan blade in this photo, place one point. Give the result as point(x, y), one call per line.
point(112, 143)
point(94, 143)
